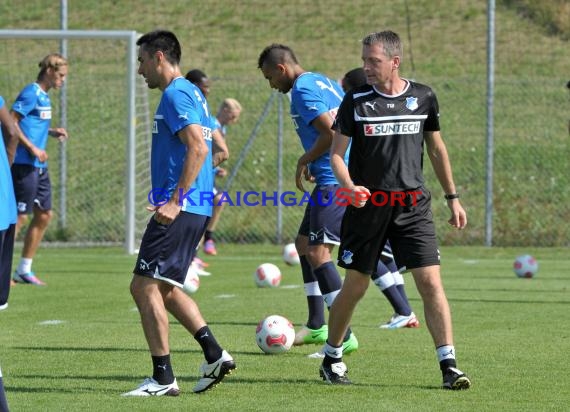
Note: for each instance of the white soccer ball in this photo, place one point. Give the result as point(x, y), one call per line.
point(525, 266)
point(274, 334)
point(192, 281)
point(267, 275)
point(290, 255)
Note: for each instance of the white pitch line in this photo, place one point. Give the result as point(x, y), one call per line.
point(51, 322)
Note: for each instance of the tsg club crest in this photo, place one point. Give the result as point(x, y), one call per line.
point(347, 257)
point(412, 103)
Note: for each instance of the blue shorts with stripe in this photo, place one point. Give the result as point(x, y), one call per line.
point(323, 216)
point(32, 186)
point(166, 251)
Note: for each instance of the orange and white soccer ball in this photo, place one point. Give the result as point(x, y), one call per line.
point(290, 255)
point(525, 266)
point(267, 275)
point(192, 281)
point(274, 334)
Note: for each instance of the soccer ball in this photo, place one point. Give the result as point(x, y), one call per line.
point(274, 334)
point(191, 282)
point(290, 255)
point(267, 275)
point(525, 266)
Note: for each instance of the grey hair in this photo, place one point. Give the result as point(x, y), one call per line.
point(390, 41)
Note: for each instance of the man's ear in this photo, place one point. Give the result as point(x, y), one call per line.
point(396, 62)
point(159, 56)
point(282, 68)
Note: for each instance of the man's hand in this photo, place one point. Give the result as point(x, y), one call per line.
point(356, 196)
point(458, 215)
point(302, 173)
point(59, 133)
point(166, 213)
point(40, 154)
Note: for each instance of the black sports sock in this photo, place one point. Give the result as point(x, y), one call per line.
point(209, 235)
point(315, 303)
point(162, 370)
point(399, 304)
point(329, 279)
point(212, 350)
point(3, 401)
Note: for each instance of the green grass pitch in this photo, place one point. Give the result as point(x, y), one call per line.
point(77, 344)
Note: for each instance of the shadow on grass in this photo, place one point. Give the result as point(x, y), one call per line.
point(143, 350)
point(509, 301)
point(229, 380)
point(97, 349)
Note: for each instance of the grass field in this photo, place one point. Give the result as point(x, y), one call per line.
point(77, 344)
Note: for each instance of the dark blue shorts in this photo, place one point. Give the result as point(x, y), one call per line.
point(409, 228)
point(323, 216)
point(31, 187)
point(6, 250)
point(166, 251)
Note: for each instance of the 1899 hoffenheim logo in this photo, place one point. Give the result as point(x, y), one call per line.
point(347, 256)
point(412, 103)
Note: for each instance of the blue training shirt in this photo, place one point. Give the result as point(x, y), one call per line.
point(182, 104)
point(34, 106)
point(313, 94)
point(8, 214)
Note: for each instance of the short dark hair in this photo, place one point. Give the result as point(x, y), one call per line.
point(390, 42)
point(276, 54)
point(195, 76)
point(354, 78)
point(164, 41)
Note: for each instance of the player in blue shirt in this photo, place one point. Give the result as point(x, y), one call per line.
point(8, 218)
point(8, 215)
point(314, 102)
point(228, 114)
point(182, 180)
point(201, 80)
point(32, 186)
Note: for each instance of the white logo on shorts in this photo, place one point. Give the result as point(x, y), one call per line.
point(22, 207)
point(144, 265)
point(314, 236)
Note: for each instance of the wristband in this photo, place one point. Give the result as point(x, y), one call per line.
point(452, 196)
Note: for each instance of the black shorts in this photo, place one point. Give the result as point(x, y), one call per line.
point(323, 216)
point(166, 251)
point(409, 228)
point(31, 187)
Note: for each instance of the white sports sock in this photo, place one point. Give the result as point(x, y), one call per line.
point(398, 278)
point(330, 297)
point(384, 281)
point(335, 353)
point(445, 352)
point(312, 289)
point(25, 266)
